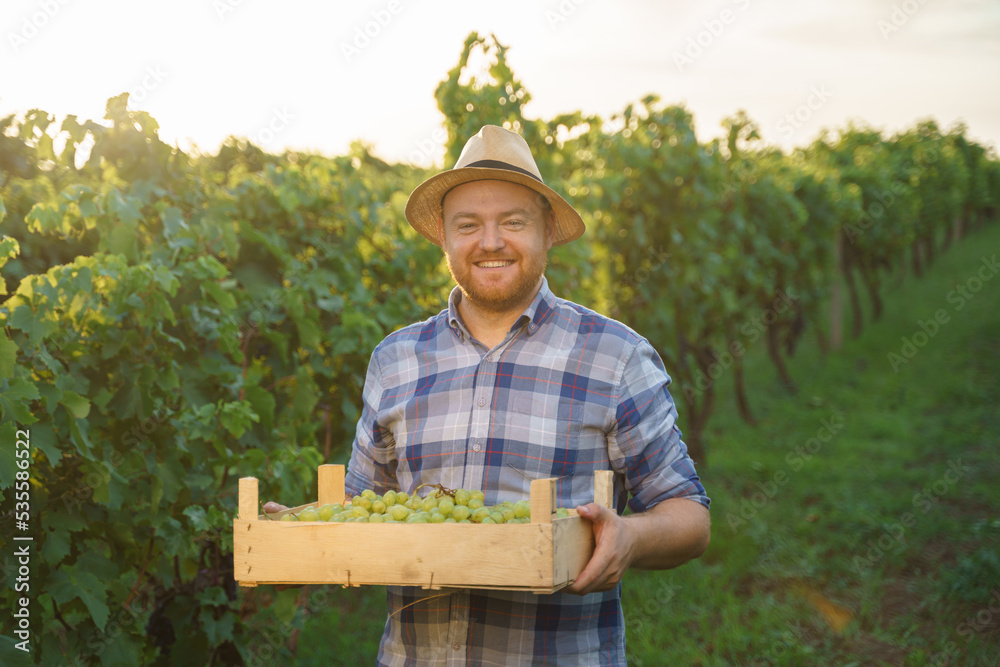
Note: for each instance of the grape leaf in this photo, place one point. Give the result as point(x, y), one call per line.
point(77, 405)
point(67, 583)
point(8, 355)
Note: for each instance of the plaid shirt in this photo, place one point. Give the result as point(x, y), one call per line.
point(567, 392)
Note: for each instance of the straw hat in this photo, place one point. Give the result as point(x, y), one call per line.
point(493, 154)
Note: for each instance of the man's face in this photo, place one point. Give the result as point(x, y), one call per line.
point(496, 238)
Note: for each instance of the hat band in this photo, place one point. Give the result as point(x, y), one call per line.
point(498, 164)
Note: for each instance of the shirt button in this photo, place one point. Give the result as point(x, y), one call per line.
point(482, 402)
point(476, 447)
point(489, 359)
point(455, 646)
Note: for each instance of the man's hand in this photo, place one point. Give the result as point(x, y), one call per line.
point(665, 536)
point(612, 553)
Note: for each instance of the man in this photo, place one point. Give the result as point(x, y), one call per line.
point(510, 384)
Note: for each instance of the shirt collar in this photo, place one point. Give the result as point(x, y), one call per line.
point(533, 315)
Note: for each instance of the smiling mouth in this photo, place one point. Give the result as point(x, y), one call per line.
point(494, 264)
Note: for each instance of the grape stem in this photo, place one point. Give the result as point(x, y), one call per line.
point(431, 597)
point(441, 490)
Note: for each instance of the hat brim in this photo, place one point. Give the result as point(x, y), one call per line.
point(423, 208)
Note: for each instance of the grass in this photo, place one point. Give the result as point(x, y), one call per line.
point(857, 524)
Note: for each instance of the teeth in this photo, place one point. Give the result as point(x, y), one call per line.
point(493, 265)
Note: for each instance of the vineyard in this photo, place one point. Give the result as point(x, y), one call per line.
point(172, 322)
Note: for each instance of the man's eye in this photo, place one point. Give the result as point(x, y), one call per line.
point(515, 223)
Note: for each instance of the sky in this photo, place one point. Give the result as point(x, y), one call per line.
point(316, 75)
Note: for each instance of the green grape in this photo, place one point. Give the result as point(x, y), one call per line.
point(460, 506)
point(562, 513)
point(446, 505)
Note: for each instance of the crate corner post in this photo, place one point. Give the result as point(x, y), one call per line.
point(331, 484)
point(543, 500)
point(248, 497)
point(604, 488)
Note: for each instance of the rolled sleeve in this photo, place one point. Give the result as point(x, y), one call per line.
point(645, 445)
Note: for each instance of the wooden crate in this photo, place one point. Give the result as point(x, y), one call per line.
point(542, 556)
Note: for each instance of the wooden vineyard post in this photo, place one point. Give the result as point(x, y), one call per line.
point(543, 499)
point(331, 484)
point(836, 309)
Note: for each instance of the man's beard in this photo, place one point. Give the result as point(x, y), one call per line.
point(499, 299)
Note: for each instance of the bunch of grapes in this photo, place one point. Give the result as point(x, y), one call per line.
point(442, 505)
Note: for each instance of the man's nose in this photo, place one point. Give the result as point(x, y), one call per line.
point(492, 238)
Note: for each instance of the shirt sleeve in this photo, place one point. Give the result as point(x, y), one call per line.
point(373, 457)
point(645, 444)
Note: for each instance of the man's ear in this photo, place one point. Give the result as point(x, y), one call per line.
point(550, 228)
